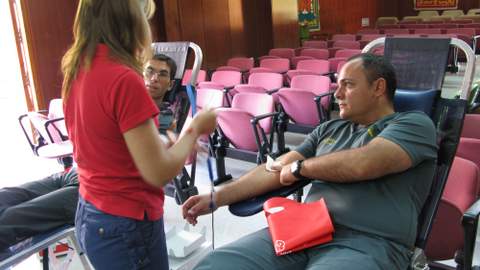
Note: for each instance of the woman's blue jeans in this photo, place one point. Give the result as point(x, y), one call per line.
point(114, 242)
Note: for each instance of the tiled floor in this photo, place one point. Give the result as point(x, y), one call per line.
point(19, 165)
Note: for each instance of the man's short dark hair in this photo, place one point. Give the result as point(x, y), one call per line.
point(375, 67)
point(171, 64)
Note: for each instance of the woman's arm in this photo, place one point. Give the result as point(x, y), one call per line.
point(157, 164)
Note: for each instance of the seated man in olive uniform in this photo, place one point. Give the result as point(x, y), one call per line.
point(373, 167)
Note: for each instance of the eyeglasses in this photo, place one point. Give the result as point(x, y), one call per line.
point(149, 73)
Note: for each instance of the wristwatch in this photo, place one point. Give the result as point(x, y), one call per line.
point(296, 167)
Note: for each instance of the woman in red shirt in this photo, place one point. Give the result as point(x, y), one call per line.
point(122, 163)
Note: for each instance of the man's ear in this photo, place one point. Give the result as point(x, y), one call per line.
point(381, 87)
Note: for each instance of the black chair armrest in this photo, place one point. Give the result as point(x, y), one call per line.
point(470, 224)
point(257, 118)
point(52, 122)
point(265, 147)
point(254, 205)
point(473, 107)
point(322, 114)
point(271, 91)
point(332, 75)
point(29, 139)
point(319, 97)
point(228, 97)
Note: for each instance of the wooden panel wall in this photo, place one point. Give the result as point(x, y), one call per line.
point(257, 26)
point(48, 26)
point(285, 24)
point(221, 28)
point(344, 16)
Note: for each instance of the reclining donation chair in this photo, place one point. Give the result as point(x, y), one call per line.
point(21, 251)
point(408, 56)
point(185, 95)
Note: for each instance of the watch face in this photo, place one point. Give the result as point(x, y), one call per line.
point(294, 167)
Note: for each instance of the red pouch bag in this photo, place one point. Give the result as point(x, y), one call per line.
point(295, 226)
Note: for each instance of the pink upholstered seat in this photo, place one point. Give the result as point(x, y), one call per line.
point(321, 54)
point(309, 67)
point(202, 76)
point(346, 44)
point(337, 37)
point(471, 126)
point(282, 52)
point(428, 31)
point(235, 124)
point(228, 68)
point(319, 44)
point(469, 148)
point(341, 55)
point(277, 65)
point(460, 193)
point(210, 98)
point(367, 31)
point(243, 64)
point(297, 59)
point(260, 83)
point(222, 79)
point(298, 100)
point(396, 31)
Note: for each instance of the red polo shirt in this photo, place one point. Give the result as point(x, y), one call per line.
point(104, 102)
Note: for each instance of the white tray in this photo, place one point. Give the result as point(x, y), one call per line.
point(182, 242)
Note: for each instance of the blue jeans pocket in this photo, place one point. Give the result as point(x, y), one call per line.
point(112, 242)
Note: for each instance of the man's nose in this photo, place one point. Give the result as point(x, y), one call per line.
point(338, 92)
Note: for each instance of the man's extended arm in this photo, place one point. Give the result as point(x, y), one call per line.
point(378, 158)
point(256, 182)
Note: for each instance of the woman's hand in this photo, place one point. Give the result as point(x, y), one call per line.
point(204, 122)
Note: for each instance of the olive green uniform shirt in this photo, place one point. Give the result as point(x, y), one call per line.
point(388, 206)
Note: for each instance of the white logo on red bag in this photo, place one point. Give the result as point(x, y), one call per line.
point(279, 245)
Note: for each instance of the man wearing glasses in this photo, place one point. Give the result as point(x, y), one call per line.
point(159, 76)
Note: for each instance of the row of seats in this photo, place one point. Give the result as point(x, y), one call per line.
point(434, 19)
point(438, 29)
point(433, 15)
point(280, 60)
point(460, 22)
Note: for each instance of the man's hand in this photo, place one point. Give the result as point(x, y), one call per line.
point(196, 206)
point(286, 176)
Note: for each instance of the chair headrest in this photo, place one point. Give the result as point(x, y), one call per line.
point(415, 100)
